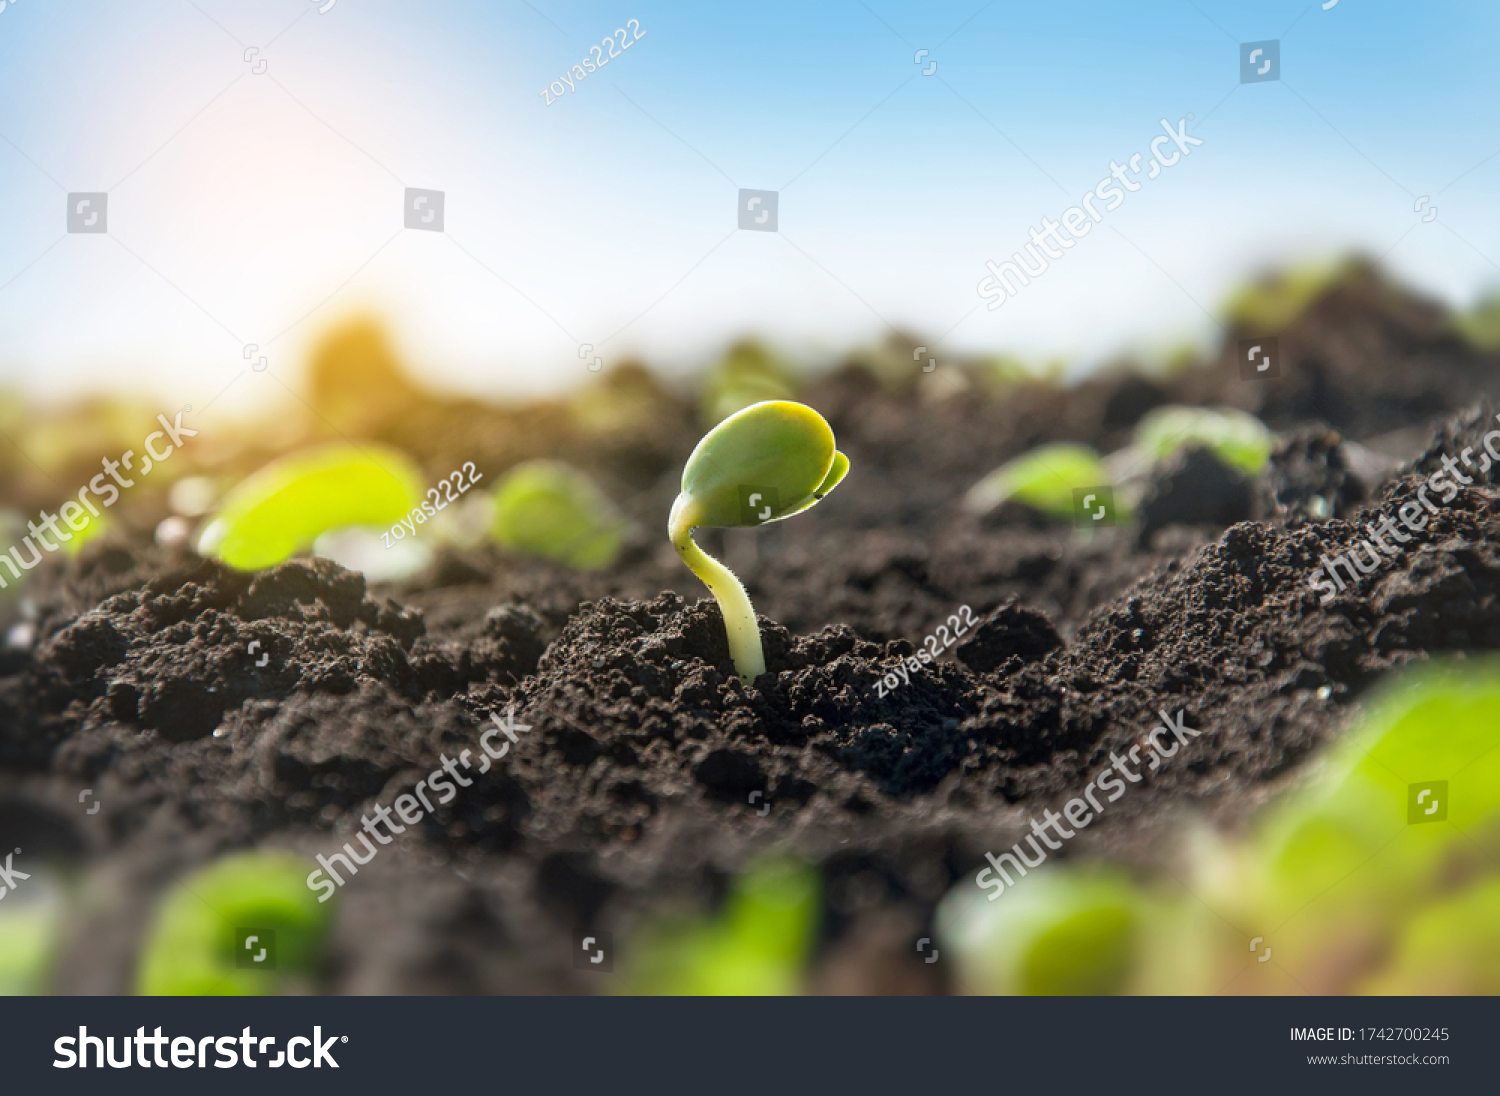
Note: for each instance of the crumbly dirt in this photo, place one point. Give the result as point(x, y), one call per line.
point(636, 785)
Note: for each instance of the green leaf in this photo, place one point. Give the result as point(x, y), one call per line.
point(1043, 478)
point(281, 509)
point(839, 470)
point(192, 947)
point(29, 930)
point(1085, 952)
point(749, 374)
point(782, 450)
point(1433, 724)
point(1239, 440)
point(756, 946)
point(549, 509)
point(1060, 930)
point(1451, 948)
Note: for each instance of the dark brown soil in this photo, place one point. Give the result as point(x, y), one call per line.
point(633, 786)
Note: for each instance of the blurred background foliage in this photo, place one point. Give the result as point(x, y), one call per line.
point(625, 424)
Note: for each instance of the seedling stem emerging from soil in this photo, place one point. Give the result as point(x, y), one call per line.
point(762, 464)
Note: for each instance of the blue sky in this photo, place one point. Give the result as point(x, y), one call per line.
point(259, 208)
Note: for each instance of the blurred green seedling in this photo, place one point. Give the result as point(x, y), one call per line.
point(760, 465)
point(1431, 726)
point(1062, 930)
point(197, 945)
point(1270, 304)
point(748, 374)
point(1001, 374)
point(1481, 324)
point(549, 509)
point(93, 528)
point(1451, 948)
point(1408, 806)
point(29, 923)
point(283, 508)
point(1043, 479)
point(625, 400)
point(1239, 440)
point(757, 945)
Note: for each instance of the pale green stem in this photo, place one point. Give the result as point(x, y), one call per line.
point(734, 603)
